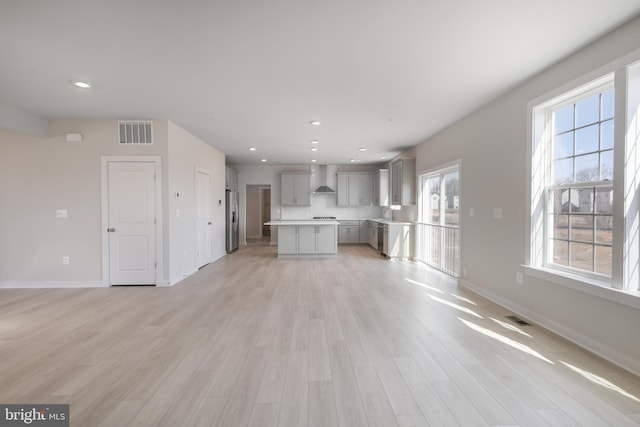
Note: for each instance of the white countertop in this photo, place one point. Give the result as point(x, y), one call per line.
point(303, 222)
point(331, 222)
point(389, 222)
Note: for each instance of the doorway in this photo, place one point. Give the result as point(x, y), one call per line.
point(130, 212)
point(265, 195)
point(203, 217)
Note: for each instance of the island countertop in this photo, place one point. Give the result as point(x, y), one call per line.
point(302, 222)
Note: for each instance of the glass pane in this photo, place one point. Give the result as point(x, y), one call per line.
point(588, 111)
point(603, 260)
point(587, 139)
point(606, 135)
point(581, 256)
point(587, 168)
point(563, 119)
point(604, 230)
point(606, 165)
point(560, 201)
point(452, 200)
point(563, 171)
point(581, 228)
point(561, 227)
point(432, 212)
point(581, 200)
point(563, 145)
point(560, 252)
point(608, 100)
point(604, 200)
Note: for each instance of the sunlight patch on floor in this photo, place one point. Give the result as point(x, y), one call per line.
point(464, 299)
point(510, 327)
point(600, 381)
point(505, 340)
point(456, 306)
point(431, 288)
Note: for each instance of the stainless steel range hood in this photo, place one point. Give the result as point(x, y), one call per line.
point(323, 173)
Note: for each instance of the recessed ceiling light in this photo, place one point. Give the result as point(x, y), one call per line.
point(315, 123)
point(252, 148)
point(313, 160)
point(352, 160)
point(81, 84)
point(363, 149)
point(383, 157)
point(314, 149)
point(263, 160)
point(315, 141)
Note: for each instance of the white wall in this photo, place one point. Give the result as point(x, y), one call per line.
point(321, 205)
point(186, 154)
point(492, 145)
point(39, 175)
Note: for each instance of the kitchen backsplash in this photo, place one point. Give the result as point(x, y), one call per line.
point(325, 205)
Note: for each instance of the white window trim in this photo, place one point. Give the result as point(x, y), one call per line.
point(624, 254)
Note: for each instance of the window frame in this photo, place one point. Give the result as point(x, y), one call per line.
point(623, 285)
point(546, 110)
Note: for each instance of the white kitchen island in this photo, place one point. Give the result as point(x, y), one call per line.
point(306, 238)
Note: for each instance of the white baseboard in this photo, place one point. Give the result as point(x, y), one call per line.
point(53, 284)
point(631, 364)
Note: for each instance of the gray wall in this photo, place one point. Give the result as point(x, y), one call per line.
point(492, 146)
point(39, 175)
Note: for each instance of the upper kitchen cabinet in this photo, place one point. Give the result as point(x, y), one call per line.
point(403, 182)
point(230, 179)
point(355, 189)
point(381, 187)
point(294, 189)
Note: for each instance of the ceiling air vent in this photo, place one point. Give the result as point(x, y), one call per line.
point(135, 132)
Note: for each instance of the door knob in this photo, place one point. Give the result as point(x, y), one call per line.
point(209, 223)
point(111, 230)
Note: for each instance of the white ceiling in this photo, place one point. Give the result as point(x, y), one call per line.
point(380, 74)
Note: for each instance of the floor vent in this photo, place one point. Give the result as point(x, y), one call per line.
point(135, 132)
point(518, 320)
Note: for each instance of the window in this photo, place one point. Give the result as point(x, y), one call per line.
point(584, 171)
point(579, 191)
point(439, 226)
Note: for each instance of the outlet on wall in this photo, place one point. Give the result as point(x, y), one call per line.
point(464, 271)
point(65, 260)
point(519, 278)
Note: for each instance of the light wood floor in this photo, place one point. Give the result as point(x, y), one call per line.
point(251, 340)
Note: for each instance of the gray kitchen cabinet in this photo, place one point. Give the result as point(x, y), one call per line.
point(364, 231)
point(230, 179)
point(307, 240)
point(373, 234)
point(288, 240)
point(355, 189)
point(349, 232)
point(294, 189)
point(398, 241)
point(326, 239)
point(381, 188)
point(403, 182)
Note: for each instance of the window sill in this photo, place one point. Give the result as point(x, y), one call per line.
point(582, 284)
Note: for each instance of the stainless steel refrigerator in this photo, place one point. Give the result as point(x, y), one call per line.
point(233, 232)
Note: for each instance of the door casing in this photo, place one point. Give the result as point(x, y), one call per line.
point(157, 161)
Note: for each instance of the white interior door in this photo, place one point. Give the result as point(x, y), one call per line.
point(131, 224)
point(203, 219)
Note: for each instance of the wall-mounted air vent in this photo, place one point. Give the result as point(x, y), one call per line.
point(135, 132)
point(517, 320)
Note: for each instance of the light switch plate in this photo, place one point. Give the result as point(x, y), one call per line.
point(61, 213)
point(497, 213)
